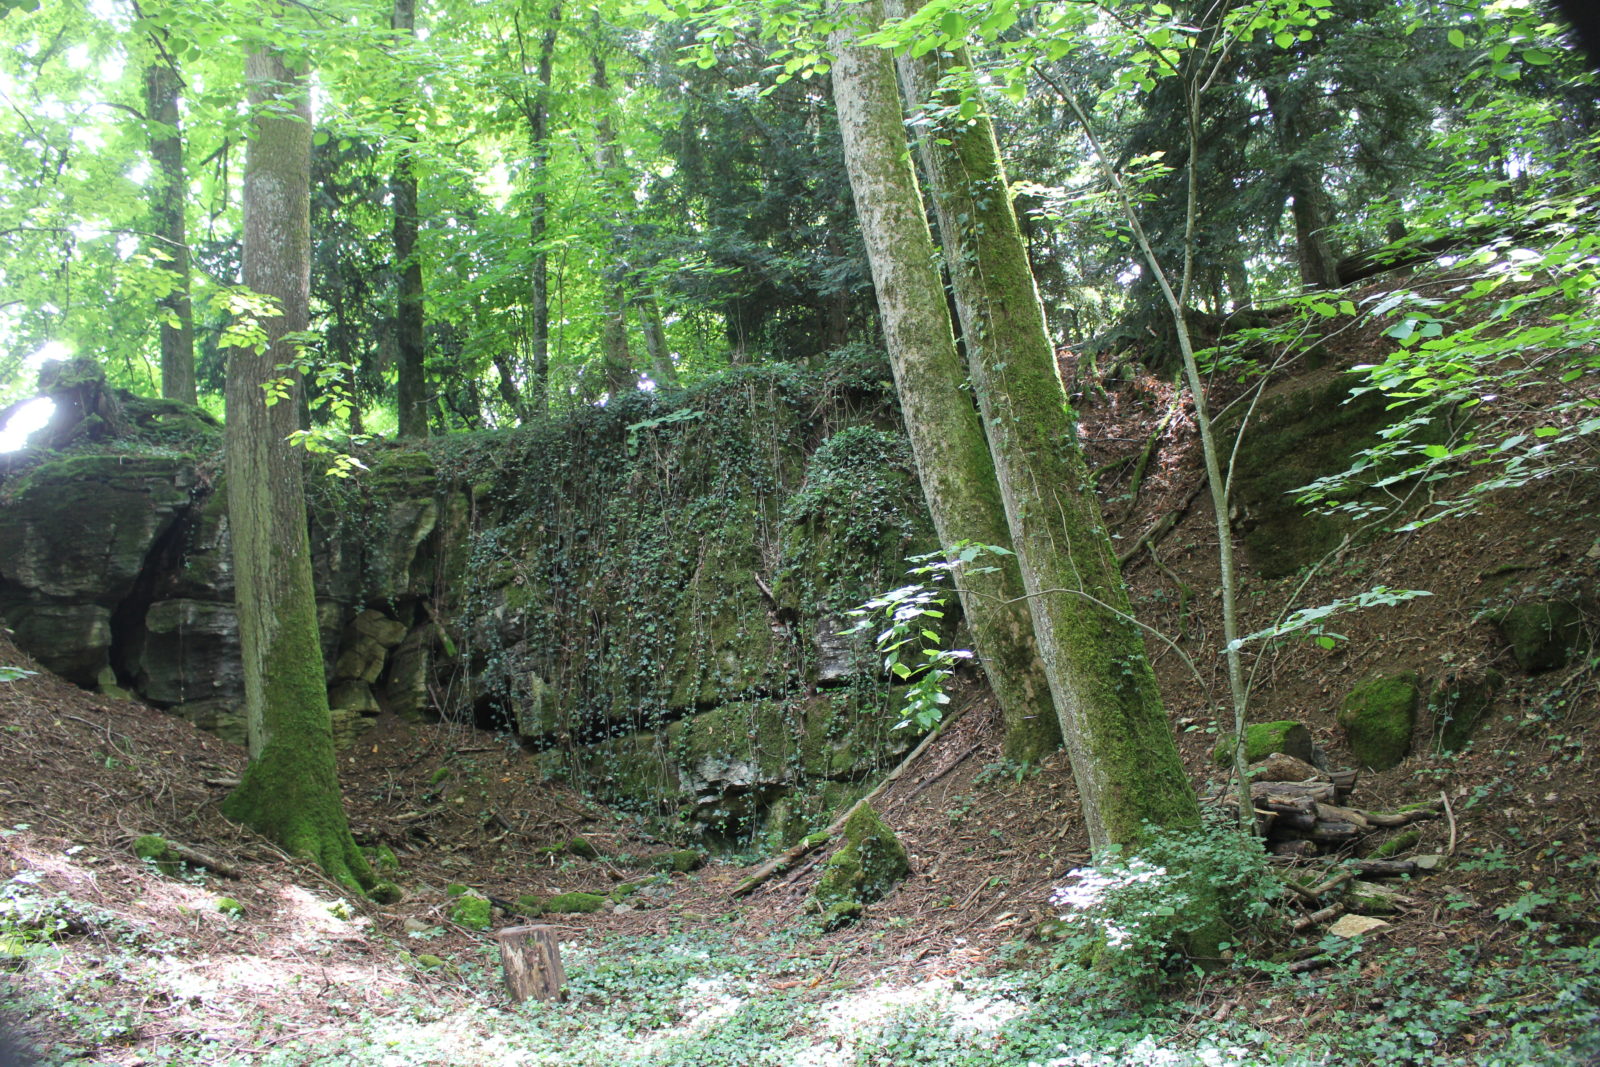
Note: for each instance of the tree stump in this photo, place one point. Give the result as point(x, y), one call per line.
point(531, 959)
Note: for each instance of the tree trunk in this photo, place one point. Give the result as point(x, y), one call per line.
point(1310, 206)
point(169, 192)
point(530, 956)
point(536, 109)
point(290, 790)
point(662, 369)
point(411, 385)
point(620, 375)
point(1116, 731)
point(953, 462)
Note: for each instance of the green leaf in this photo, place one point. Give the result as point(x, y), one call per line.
point(1457, 38)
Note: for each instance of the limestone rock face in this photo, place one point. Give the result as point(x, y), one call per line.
point(652, 592)
point(190, 652)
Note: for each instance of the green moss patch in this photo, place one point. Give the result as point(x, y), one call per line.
point(471, 911)
point(153, 848)
point(1378, 717)
point(869, 864)
point(574, 904)
point(1262, 739)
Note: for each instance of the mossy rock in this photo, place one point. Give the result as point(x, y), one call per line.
point(386, 893)
point(871, 862)
point(1457, 705)
point(1291, 440)
point(1378, 717)
point(153, 848)
point(574, 904)
point(1543, 637)
point(580, 847)
point(471, 911)
point(679, 861)
point(382, 858)
point(1262, 739)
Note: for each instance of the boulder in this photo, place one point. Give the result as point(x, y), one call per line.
point(1544, 636)
point(1262, 739)
point(1457, 704)
point(871, 862)
point(1378, 717)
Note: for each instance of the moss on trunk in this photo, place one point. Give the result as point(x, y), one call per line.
point(290, 791)
point(1123, 755)
point(952, 454)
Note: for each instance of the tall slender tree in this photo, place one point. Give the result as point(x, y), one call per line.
point(290, 790)
point(535, 103)
point(169, 197)
point(411, 384)
point(1116, 731)
point(953, 463)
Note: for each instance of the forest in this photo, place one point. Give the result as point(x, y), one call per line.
point(873, 532)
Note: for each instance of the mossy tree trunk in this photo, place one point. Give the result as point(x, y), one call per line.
point(947, 437)
point(535, 104)
point(1123, 755)
point(169, 191)
point(411, 384)
point(611, 180)
point(290, 790)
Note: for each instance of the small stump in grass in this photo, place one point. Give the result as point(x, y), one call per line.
point(531, 959)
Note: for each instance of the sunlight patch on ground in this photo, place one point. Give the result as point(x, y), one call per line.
point(1149, 1052)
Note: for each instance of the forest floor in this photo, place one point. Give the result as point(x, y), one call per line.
point(1488, 957)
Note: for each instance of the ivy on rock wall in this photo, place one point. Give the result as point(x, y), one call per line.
point(652, 591)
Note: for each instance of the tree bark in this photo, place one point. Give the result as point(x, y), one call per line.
point(411, 384)
point(290, 790)
point(1125, 761)
point(617, 361)
point(169, 193)
point(530, 956)
point(947, 439)
point(536, 109)
point(662, 369)
point(1310, 206)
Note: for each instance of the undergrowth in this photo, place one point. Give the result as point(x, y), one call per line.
point(708, 997)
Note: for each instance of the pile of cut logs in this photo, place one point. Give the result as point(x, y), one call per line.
point(1302, 810)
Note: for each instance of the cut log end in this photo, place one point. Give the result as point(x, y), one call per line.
point(531, 959)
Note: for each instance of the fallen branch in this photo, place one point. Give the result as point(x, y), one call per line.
point(201, 859)
point(1160, 527)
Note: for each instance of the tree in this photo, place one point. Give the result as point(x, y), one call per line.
point(1126, 764)
point(169, 195)
point(957, 475)
point(411, 385)
point(290, 790)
